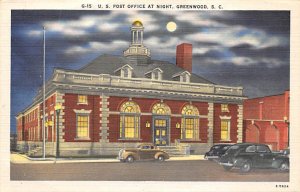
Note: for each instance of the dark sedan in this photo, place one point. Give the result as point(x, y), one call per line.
point(246, 156)
point(216, 151)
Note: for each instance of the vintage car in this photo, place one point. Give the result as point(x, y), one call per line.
point(142, 152)
point(216, 151)
point(246, 156)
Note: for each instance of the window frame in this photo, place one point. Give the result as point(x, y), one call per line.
point(159, 107)
point(228, 129)
point(193, 115)
point(136, 120)
point(185, 77)
point(78, 113)
point(79, 100)
point(224, 108)
point(126, 72)
point(88, 126)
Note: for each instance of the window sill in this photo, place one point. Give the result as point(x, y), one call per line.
point(82, 139)
point(183, 140)
point(82, 103)
point(226, 140)
point(129, 139)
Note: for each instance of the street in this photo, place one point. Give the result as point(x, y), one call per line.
point(190, 170)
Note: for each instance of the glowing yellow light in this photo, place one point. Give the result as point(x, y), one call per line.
point(171, 26)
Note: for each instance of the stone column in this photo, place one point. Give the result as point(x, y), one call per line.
point(210, 118)
point(104, 119)
point(142, 37)
point(132, 37)
point(240, 124)
point(61, 126)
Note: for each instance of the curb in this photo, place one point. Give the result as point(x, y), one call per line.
point(30, 160)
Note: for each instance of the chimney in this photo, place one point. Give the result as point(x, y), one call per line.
point(184, 56)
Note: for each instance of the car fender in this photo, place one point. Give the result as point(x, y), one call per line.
point(278, 161)
point(161, 153)
point(126, 154)
point(238, 162)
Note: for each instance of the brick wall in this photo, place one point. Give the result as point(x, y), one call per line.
point(270, 115)
point(71, 103)
point(233, 113)
point(268, 108)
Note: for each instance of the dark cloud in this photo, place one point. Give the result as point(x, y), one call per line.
point(257, 81)
point(21, 17)
point(274, 22)
point(247, 50)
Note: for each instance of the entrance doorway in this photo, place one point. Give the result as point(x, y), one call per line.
point(160, 131)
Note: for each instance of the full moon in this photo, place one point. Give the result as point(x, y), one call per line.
point(171, 26)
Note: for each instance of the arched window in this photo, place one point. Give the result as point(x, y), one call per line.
point(161, 109)
point(190, 123)
point(129, 120)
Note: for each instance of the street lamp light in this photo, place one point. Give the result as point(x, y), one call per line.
point(57, 109)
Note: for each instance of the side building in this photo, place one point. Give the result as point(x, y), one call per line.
point(121, 101)
point(266, 120)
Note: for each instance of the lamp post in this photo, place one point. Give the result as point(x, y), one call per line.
point(57, 109)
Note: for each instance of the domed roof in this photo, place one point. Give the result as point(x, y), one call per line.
point(137, 23)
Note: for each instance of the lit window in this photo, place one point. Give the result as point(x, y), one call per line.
point(160, 123)
point(129, 120)
point(190, 123)
point(82, 126)
point(161, 109)
point(224, 108)
point(225, 130)
point(82, 99)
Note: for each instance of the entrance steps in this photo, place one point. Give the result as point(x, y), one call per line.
point(175, 151)
point(36, 151)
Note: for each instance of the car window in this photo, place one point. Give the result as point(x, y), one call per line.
point(262, 149)
point(233, 149)
point(250, 149)
point(225, 148)
point(216, 147)
point(146, 147)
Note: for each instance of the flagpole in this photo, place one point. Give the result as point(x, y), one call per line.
point(44, 91)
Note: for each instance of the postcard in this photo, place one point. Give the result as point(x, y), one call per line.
point(149, 96)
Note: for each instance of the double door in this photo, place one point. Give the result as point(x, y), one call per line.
point(160, 131)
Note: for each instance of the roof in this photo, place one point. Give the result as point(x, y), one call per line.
point(108, 64)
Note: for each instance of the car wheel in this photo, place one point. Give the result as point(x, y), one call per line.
point(227, 168)
point(161, 158)
point(246, 167)
point(130, 159)
point(284, 166)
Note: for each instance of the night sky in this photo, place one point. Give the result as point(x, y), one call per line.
point(235, 48)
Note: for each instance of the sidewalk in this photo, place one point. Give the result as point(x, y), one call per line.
point(23, 159)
